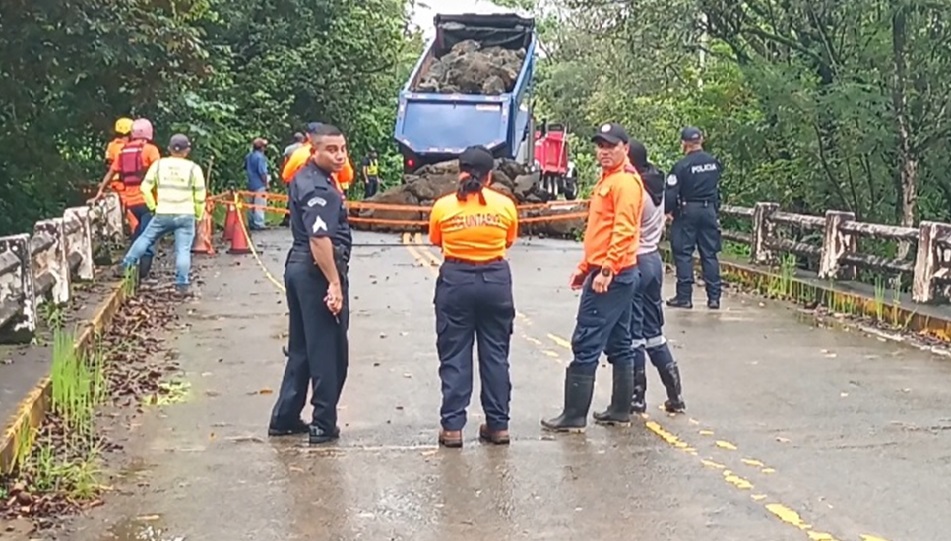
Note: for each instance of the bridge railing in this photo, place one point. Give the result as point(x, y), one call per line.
point(835, 245)
point(40, 267)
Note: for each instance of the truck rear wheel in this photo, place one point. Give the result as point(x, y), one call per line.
point(570, 189)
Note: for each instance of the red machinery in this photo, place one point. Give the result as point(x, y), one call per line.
point(551, 159)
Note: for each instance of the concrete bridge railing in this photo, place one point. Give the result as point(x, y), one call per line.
point(836, 247)
point(40, 266)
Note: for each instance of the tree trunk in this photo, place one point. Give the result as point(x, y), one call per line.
point(907, 178)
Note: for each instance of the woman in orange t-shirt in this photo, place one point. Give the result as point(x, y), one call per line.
point(474, 227)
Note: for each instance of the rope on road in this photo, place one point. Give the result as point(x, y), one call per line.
point(238, 204)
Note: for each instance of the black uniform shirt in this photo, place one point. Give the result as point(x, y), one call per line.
point(317, 210)
point(695, 178)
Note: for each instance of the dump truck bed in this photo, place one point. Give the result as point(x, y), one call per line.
point(441, 111)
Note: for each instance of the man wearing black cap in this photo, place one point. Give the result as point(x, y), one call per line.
point(474, 305)
point(315, 277)
point(607, 277)
point(693, 197)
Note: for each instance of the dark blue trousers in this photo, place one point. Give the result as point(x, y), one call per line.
point(603, 323)
point(317, 347)
point(647, 314)
point(474, 305)
point(696, 227)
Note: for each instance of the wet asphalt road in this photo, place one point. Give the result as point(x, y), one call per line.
point(792, 432)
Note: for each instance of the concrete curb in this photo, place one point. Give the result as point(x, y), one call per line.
point(921, 319)
point(17, 439)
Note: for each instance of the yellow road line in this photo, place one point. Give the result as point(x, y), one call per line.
point(780, 511)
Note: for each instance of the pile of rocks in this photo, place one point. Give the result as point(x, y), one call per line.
point(469, 69)
point(433, 181)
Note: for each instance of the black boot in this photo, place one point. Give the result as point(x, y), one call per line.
point(639, 400)
point(622, 388)
point(670, 375)
point(579, 389)
point(145, 267)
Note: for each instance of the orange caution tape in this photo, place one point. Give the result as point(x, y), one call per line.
point(358, 205)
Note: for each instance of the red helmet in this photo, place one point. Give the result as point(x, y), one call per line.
point(142, 129)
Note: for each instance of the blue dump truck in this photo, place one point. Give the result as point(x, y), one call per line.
point(471, 86)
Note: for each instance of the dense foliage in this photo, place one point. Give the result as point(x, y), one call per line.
point(221, 71)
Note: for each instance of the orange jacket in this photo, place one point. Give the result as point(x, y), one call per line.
point(112, 150)
point(613, 233)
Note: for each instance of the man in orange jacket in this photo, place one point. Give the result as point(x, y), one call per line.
point(123, 130)
point(608, 277)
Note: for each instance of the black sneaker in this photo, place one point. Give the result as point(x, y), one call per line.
point(294, 429)
point(319, 436)
point(679, 303)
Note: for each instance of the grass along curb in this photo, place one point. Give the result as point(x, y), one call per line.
point(19, 431)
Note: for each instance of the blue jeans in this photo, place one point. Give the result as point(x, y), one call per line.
point(256, 215)
point(183, 226)
point(143, 215)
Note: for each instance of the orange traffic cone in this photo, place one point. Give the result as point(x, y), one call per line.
point(203, 244)
point(240, 243)
point(231, 220)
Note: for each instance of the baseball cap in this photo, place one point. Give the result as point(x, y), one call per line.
point(611, 133)
point(691, 134)
point(259, 142)
point(476, 159)
point(312, 127)
point(179, 142)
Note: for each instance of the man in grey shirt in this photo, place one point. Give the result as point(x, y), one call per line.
point(647, 316)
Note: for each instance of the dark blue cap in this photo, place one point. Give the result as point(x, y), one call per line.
point(612, 133)
point(691, 134)
point(313, 127)
point(476, 159)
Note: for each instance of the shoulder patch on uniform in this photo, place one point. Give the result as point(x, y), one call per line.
point(319, 225)
point(630, 169)
point(313, 201)
point(671, 180)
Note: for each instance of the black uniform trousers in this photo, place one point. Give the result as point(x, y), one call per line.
point(696, 226)
point(317, 348)
point(370, 187)
point(474, 304)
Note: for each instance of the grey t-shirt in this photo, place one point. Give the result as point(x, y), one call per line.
point(652, 225)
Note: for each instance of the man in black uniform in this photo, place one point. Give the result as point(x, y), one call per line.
point(693, 197)
point(315, 276)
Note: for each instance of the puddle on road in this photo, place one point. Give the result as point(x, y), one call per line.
point(142, 528)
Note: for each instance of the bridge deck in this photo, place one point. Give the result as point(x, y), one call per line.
point(784, 418)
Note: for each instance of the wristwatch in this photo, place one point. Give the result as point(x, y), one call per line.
point(605, 271)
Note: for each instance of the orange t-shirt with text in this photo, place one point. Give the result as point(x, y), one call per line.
point(613, 233)
point(471, 231)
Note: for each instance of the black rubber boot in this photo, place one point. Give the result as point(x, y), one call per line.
point(622, 388)
point(145, 267)
point(638, 399)
point(670, 375)
point(579, 389)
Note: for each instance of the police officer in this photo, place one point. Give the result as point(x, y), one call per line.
point(474, 226)
point(693, 197)
point(315, 276)
point(607, 278)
